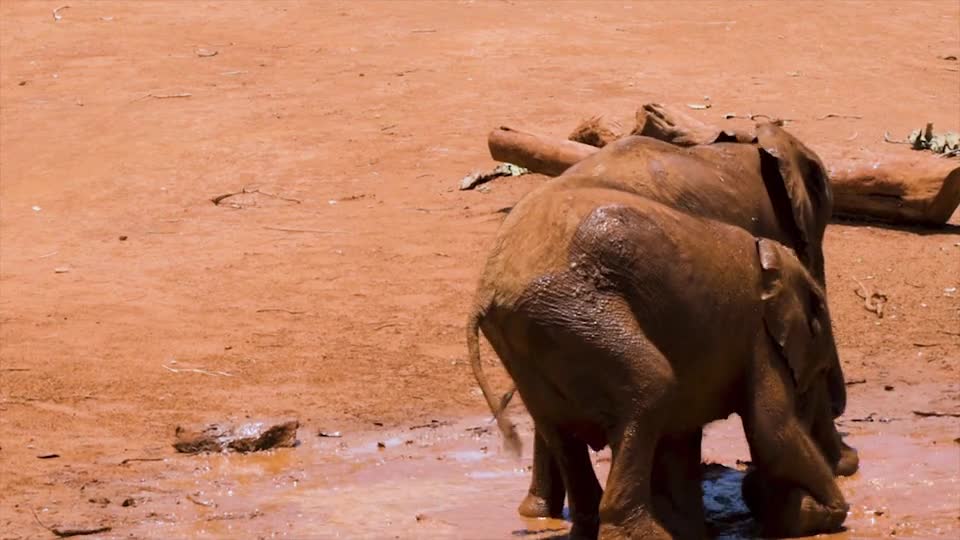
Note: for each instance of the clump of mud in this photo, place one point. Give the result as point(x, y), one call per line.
point(252, 437)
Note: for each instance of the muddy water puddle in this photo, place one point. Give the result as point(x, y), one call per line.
point(452, 481)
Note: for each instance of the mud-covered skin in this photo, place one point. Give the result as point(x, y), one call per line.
point(774, 187)
point(616, 314)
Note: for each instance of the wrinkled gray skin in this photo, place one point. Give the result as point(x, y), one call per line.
point(625, 322)
point(774, 188)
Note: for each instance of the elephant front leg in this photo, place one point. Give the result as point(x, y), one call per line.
point(796, 493)
point(784, 509)
point(545, 498)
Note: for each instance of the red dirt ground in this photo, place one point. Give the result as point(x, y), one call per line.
point(356, 120)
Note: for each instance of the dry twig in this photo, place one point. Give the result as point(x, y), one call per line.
point(194, 500)
point(887, 138)
point(170, 96)
point(316, 231)
point(219, 198)
point(197, 370)
point(56, 12)
point(872, 302)
point(937, 414)
point(835, 115)
point(65, 533)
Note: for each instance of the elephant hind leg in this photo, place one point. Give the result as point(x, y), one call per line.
point(546, 494)
point(583, 489)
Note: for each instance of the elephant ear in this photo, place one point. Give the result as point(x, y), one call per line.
point(793, 172)
point(787, 319)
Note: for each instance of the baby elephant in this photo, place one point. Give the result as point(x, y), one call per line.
point(625, 322)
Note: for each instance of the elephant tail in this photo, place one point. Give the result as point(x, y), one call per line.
point(511, 440)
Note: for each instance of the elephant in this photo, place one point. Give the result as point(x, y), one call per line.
point(628, 323)
point(774, 187)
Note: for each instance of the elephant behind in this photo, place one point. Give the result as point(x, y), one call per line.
point(625, 322)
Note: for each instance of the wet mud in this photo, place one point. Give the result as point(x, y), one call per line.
point(452, 481)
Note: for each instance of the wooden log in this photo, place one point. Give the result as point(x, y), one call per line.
point(539, 154)
point(920, 189)
point(917, 189)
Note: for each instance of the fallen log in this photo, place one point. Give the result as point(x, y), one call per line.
point(542, 155)
point(919, 189)
point(904, 189)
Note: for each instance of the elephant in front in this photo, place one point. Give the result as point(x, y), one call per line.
point(775, 188)
point(628, 323)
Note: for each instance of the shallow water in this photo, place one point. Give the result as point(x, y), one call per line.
point(453, 482)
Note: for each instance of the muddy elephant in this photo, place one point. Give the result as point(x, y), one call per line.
point(774, 187)
point(627, 323)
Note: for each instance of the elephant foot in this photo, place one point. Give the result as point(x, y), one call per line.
point(849, 462)
point(651, 530)
point(783, 510)
point(535, 506)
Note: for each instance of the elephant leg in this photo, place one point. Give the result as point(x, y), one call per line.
point(785, 510)
point(583, 490)
point(626, 510)
point(545, 497)
point(677, 489)
point(784, 453)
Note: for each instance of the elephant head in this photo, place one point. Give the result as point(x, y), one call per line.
point(799, 189)
point(796, 318)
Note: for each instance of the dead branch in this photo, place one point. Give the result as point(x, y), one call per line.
point(65, 533)
point(282, 310)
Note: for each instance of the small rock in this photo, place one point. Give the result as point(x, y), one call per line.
point(102, 501)
point(22, 83)
point(129, 501)
point(122, 237)
point(420, 517)
point(888, 387)
point(380, 445)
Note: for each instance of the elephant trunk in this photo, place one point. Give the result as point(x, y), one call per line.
point(836, 385)
point(511, 440)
